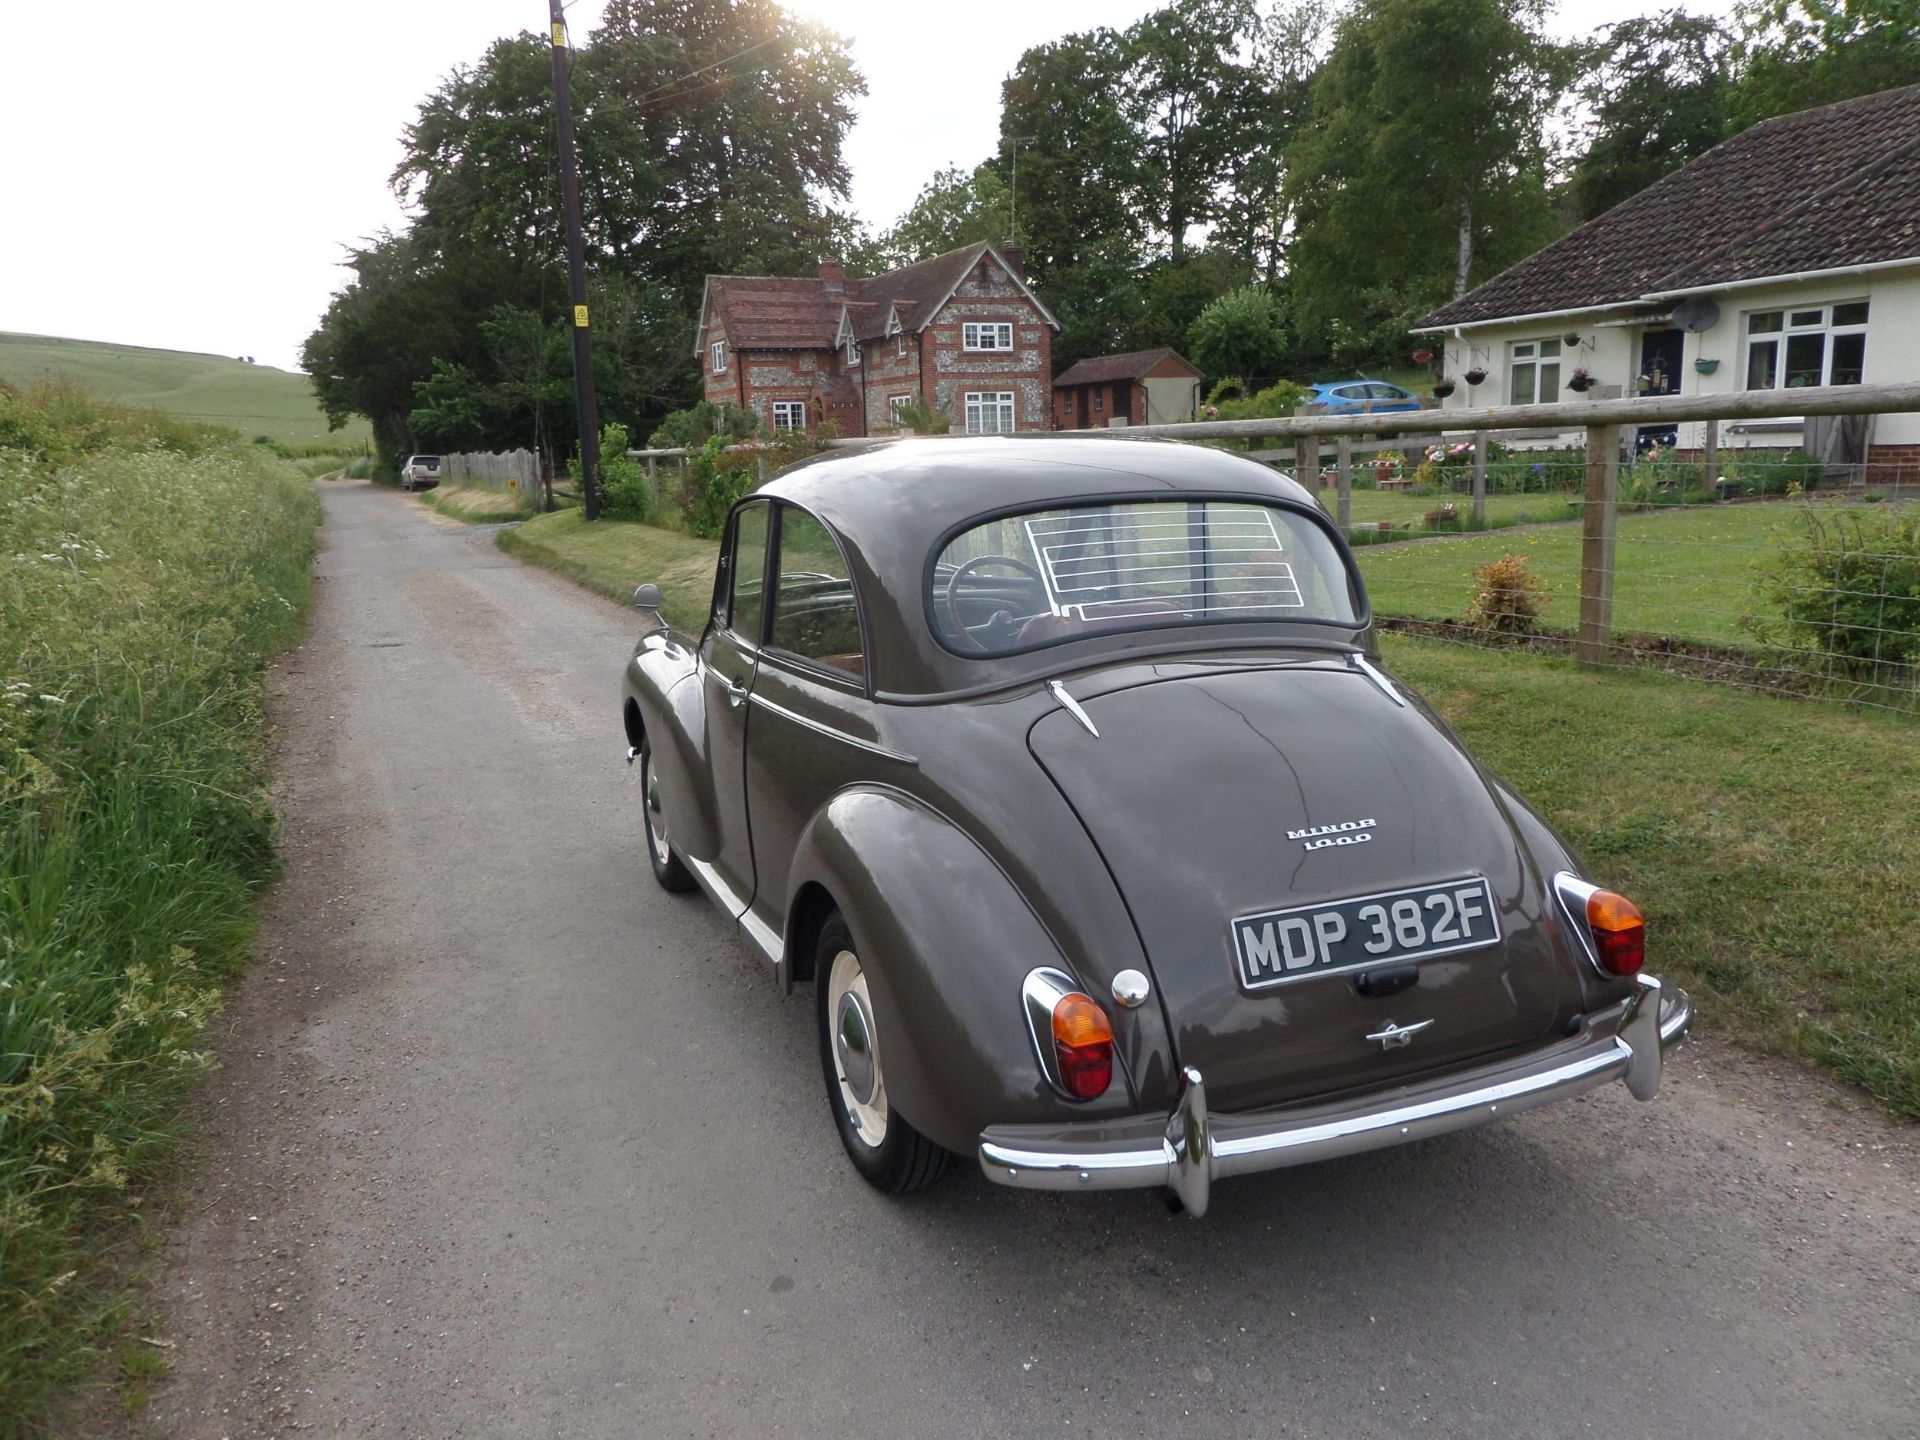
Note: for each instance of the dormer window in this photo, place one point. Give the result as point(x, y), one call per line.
point(853, 351)
point(718, 356)
point(900, 345)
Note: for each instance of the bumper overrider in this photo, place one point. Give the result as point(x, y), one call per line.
point(1190, 1150)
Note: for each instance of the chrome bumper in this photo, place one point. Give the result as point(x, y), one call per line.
point(1192, 1149)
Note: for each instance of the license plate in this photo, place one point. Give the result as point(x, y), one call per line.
point(1277, 947)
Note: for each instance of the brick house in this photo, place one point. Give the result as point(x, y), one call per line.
point(1786, 256)
point(1142, 387)
point(963, 330)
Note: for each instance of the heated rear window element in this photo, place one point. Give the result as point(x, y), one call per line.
point(1021, 581)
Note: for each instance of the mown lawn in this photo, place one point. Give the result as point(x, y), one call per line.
point(1687, 573)
point(1770, 842)
point(1401, 508)
point(476, 504)
point(610, 557)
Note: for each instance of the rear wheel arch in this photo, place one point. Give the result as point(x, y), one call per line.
point(636, 725)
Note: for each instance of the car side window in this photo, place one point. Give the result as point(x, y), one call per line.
point(746, 602)
point(814, 613)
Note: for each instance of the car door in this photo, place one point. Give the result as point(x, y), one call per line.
point(729, 659)
point(813, 731)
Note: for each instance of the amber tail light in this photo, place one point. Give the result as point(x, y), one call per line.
point(1619, 933)
point(1083, 1041)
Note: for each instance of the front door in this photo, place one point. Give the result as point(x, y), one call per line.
point(729, 658)
point(1661, 352)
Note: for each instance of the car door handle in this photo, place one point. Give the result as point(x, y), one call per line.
point(736, 692)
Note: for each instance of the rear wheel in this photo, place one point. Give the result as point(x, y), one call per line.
point(668, 868)
point(888, 1152)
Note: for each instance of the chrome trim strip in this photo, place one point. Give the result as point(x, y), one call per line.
point(1573, 893)
point(1196, 1149)
point(1043, 989)
point(765, 938)
point(1072, 706)
point(717, 889)
point(1373, 672)
point(832, 734)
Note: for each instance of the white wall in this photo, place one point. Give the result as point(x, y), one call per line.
point(1612, 352)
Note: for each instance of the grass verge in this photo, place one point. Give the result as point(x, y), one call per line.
point(1769, 842)
point(475, 504)
point(610, 557)
point(144, 588)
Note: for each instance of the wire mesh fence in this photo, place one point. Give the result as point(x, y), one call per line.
point(1756, 564)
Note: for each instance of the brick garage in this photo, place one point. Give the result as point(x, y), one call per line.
point(1142, 387)
point(963, 331)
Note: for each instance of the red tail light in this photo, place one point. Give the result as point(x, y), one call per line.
point(1083, 1040)
point(1619, 933)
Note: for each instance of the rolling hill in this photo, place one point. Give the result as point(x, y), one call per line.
point(217, 389)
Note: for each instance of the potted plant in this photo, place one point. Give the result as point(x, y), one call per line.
point(1443, 387)
point(1571, 338)
point(1706, 366)
point(1643, 383)
point(1422, 356)
point(1476, 374)
point(1581, 381)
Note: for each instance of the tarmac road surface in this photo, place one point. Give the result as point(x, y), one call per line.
point(508, 1142)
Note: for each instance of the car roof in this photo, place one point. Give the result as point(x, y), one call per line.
point(892, 503)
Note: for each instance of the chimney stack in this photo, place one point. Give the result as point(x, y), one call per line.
point(834, 275)
point(1015, 257)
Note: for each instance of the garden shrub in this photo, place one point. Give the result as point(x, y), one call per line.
point(625, 493)
point(1507, 597)
point(698, 423)
point(1848, 587)
point(922, 419)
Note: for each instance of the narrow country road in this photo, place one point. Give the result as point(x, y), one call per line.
point(507, 1142)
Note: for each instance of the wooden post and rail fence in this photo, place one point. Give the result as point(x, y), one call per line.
point(1605, 423)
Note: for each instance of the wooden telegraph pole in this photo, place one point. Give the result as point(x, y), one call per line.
point(576, 270)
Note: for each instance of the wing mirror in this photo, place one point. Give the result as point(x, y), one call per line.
point(647, 597)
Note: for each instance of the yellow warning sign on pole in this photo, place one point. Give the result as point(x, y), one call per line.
point(559, 35)
point(579, 317)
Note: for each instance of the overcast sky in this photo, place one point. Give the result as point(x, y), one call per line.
point(188, 180)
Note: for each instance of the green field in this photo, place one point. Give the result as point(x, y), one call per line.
point(213, 389)
point(1688, 572)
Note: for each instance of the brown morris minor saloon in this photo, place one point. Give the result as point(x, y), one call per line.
point(1065, 771)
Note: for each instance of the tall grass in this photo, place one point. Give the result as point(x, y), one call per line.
point(147, 574)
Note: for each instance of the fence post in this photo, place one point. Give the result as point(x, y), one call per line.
point(1343, 483)
point(760, 467)
point(1479, 478)
point(1306, 463)
point(1597, 518)
point(1713, 458)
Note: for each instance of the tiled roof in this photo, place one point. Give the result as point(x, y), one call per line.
point(1816, 190)
point(783, 313)
point(1130, 366)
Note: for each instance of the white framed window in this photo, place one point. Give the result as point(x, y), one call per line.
point(986, 335)
point(1810, 345)
point(1533, 371)
point(895, 404)
point(900, 345)
point(989, 412)
point(789, 414)
point(853, 352)
point(717, 356)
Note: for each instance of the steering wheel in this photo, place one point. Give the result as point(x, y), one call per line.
point(967, 639)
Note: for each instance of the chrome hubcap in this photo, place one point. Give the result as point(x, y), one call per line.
point(853, 1043)
point(856, 1053)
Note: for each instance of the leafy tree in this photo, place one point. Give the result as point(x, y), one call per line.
point(1798, 53)
point(1192, 103)
point(1174, 292)
point(1078, 155)
point(1097, 301)
point(1243, 333)
point(1425, 164)
point(449, 409)
point(954, 208)
point(1658, 91)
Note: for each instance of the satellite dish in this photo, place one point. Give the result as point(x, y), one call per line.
point(1696, 315)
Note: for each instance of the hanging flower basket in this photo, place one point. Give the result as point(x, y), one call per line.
point(1580, 382)
point(1443, 387)
point(1704, 366)
point(1476, 374)
point(1422, 356)
point(1572, 337)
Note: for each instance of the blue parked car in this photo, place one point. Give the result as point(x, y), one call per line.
point(1351, 397)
